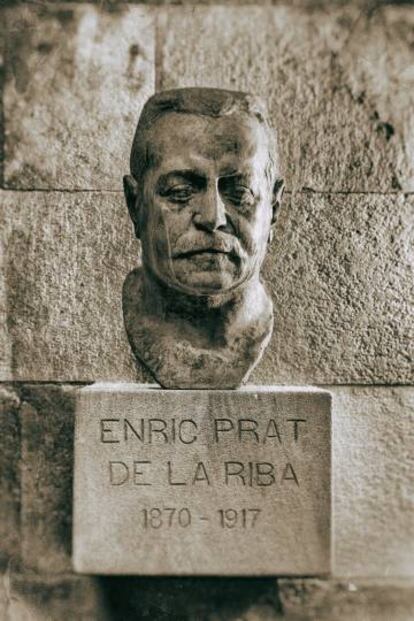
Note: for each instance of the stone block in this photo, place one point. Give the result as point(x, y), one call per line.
point(207, 482)
point(9, 475)
point(47, 420)
point(338, 80)
point(341, 274)
point(65, 257)
point(51, 598)
point(308, 600)
point(339, 270)
point(373, 465)
point(76, 79)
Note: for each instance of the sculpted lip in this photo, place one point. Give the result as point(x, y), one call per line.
point(191, 253)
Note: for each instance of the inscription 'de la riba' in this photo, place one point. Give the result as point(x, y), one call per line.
point(136, 434)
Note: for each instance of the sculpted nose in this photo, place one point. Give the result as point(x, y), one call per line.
point(211, 213)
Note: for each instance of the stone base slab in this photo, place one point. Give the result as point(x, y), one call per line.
point(202, 482)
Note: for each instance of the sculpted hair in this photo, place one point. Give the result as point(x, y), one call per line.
point(204, 102)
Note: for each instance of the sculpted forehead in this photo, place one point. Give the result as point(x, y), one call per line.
point(178, 140)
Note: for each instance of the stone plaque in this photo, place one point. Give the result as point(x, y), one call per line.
point(202, 482)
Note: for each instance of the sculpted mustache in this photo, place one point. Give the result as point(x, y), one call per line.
point(196, 245)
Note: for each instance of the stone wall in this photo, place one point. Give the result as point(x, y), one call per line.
point(339, 78)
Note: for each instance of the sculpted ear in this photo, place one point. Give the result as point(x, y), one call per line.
point(131, 195)
point(277, 194)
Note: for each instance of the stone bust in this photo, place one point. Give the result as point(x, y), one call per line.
point(203, 194)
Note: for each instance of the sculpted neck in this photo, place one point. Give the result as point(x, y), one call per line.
point(196, 342)
point(163, 300)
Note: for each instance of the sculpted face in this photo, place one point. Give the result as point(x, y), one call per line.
point(205, 208)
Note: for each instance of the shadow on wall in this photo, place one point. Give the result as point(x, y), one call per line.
point(179, 599)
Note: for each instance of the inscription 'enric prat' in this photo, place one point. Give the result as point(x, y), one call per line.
point(119, 430)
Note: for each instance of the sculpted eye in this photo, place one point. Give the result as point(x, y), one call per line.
point(179, 193)
point(239, 195)
point(236, 190)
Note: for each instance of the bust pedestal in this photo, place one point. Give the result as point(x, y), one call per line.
point(202, 482)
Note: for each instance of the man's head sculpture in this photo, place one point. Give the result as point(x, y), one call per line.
point(203, 194)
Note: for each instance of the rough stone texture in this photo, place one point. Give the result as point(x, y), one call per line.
point(373, 465)
point(9, 475)
point(28, 597)
point(342, 301)
point(47, 420)
point(65, 258)
point(5, 339)
point(316, 600)
point(339, 83)
point(188, 473)
point(308, 4)
point(341, 273)
point(25, 597)
point(76, 79)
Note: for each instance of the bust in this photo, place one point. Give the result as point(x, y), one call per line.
point(203, 195)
